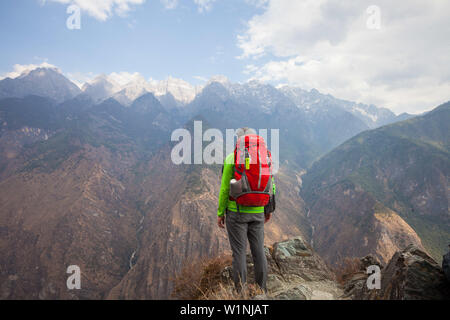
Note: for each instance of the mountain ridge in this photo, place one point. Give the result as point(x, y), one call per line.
point(103, 87)
point(403, 166)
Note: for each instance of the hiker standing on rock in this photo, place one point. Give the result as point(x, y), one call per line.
point(246, 203)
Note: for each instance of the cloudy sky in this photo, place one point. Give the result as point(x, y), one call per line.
point(390, 53)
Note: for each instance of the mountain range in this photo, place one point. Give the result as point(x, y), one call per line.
point(51, 83)
point(86, 179)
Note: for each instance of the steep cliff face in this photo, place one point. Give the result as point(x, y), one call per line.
point(79, 214)
point(349, 222)
point(180, 224)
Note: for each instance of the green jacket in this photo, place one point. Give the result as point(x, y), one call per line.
point(224, 202)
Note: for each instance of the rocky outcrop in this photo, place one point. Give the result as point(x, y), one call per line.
point(355, 284)
point(411, 274)
point(446, 265)
point(296, 272)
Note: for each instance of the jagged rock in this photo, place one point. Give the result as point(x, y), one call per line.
point(369, 260)
point(295, 257)
point(296, 272)
point(355, 286)
point(274, 282)
point(295, 293)
point(410, 275)
point(355, 283)
point(446, 265)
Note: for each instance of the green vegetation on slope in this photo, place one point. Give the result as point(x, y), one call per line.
point(405, 166)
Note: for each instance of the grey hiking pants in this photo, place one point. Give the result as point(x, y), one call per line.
point(242, 226)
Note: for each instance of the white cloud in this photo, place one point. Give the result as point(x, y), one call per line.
point(80, 78)
point(257, 3)
point(123, 78)
point(103, 9)
point(200, 78)
point(119, 79)
point(204, 5)
point(326, 44)
point(19, 69)
point(169, 4)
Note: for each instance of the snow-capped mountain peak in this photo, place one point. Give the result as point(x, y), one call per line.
point(313, 100)
point(101, 87)
point(131, 91)
point(126, 88)
point(38, 72)
point(41, 81)
point(220, 79)
point(181, 90)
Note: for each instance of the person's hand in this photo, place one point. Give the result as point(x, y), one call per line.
point(267, 217)
point(221, 222)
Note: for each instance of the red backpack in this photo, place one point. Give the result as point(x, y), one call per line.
point(252, 172)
